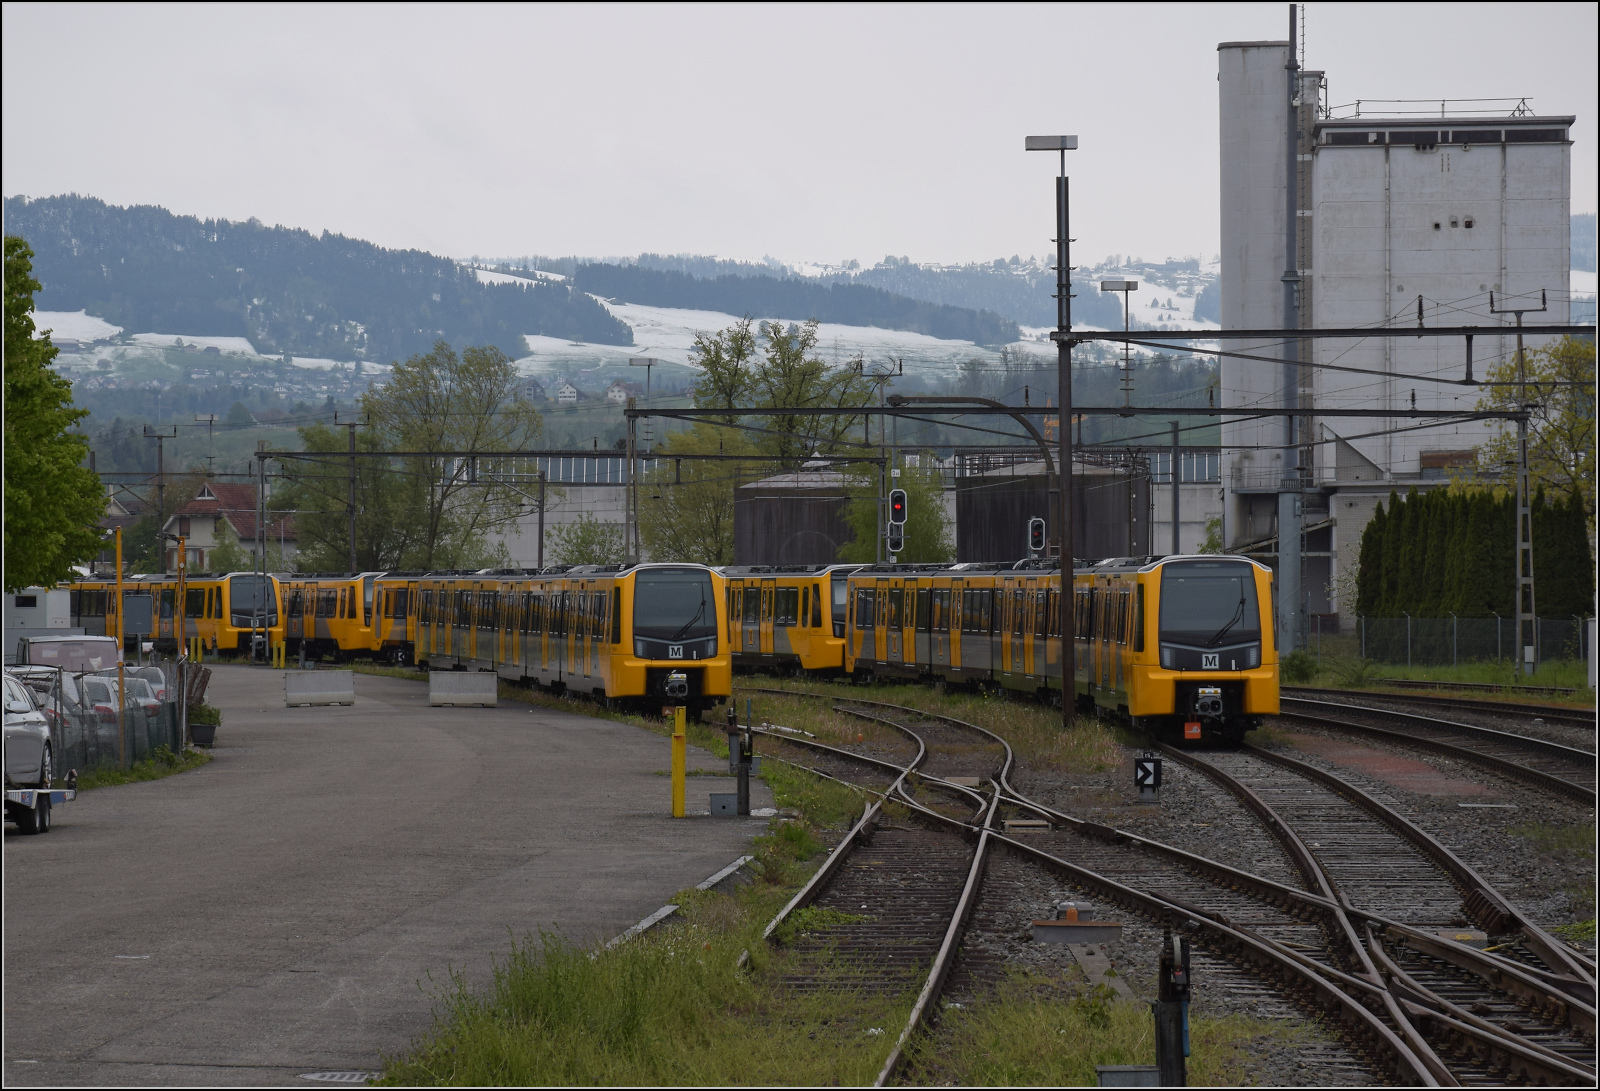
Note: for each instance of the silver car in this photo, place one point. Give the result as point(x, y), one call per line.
point(29, 762)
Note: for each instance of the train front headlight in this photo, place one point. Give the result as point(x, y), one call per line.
point(1252, 657)
point(1166, 656)
point(639, 649)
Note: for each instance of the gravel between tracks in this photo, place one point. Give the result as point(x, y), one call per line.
point(1581, 738)
point(1497, 841)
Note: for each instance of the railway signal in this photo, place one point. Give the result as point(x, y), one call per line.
point(897, 520)
point(1036, 536)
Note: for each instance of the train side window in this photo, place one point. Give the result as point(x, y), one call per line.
point(805, 607)
point(816, 606)
point(786, 606)
point(752, 606)
point(616, 615)
point(1138, 619)
point(897, 600)
point(924, 604)
point(864, 609)
point(986, 610)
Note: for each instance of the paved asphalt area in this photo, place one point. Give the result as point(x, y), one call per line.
point(296, 905)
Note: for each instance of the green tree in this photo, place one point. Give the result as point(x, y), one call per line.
point(1561, 433)
point(587, 540)
point(418, 511)
point(927, 534)
point(238, 417)
point(686, 508)
point(53, 504)
point(776, 368)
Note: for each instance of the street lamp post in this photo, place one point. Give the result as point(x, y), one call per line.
point(1069, 664)
point(631, 531)
point(1126, 287)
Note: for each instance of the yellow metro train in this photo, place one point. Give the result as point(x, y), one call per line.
point(225, 610)
point(642, 636)
point(788, 618)
point(1177, 645)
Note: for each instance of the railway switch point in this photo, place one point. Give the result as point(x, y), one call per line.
point(1469, 936)
point(1026, 825)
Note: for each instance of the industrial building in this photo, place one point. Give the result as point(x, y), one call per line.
point(1431, 215)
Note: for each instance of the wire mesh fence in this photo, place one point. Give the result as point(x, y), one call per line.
point(93, 725)
point(1448, 641)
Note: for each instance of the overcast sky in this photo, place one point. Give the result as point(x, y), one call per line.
point(816, 134)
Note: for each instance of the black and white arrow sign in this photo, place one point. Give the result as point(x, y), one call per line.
point(1147, 772)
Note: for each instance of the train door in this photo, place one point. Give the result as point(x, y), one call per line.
point(1031, 628)
point(1124, 598)
point(957, 620)
point(768, 593)
point(894, 626)
point(915, 622)
point(939, 627)
point(751, 618)
point(594, 629)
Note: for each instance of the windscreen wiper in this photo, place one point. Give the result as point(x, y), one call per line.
point(698, 614)
point(1238, 616)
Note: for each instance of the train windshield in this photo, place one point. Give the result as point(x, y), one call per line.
point(674, 604)
point(251, 597)
point(1209, 603)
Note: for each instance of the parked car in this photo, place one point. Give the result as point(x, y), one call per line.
point(144, 695)
point(59, 696)
point(28, 758)
point(100, 697)
point(69, 653)
point(155, 676)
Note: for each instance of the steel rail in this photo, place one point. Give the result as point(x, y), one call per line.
point(1552, 713)
point(1482, 899)
point(1562, 997)
point(1325, 981)
point(1314, 872)
point(1486, 1036)
point(1516, 770)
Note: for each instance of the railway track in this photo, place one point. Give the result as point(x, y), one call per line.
point(1309, 945)
point(1555, 714)
point(1482, 1022)
point(1564, 770)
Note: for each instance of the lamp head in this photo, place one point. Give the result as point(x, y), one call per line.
point(1052, 143)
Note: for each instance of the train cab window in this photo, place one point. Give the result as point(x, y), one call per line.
point(786, 606)
point(816, 606)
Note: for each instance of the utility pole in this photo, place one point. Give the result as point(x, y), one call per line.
point(540, 560)
point(630, 519)
point(1527, 649)
point(350, 501)
point(1290, 485)
point(161, 472)
point(1063, 339)
point(1176, 476)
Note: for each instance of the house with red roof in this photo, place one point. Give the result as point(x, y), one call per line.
point(225, 514)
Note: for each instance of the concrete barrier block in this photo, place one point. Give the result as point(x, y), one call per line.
point(463, 688)
point(319, 688)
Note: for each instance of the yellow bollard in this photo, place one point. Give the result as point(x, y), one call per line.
point(679, 752)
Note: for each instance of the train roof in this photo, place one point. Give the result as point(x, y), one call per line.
point(1150, 563)
point(784, 569)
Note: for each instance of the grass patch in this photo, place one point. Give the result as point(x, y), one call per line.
point(1353, 672)
point(1025, 1035)
point(162, 762)
point(1032, 728)
point(1577, 932)
point(827, 803)
point(671, 1007)
point(1576, 840)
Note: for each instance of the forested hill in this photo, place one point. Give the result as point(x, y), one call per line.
point(794, 299)
point(286, 289)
